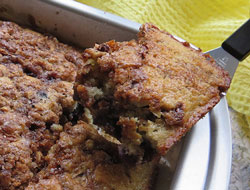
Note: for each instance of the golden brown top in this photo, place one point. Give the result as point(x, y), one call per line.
point(36, 75)
point(163, 73)
point(175, 82)
point(39, 55)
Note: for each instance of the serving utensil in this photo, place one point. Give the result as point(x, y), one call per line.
point(234, 49)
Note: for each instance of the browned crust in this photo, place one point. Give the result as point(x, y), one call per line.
point(36, 75)
point(177, 83)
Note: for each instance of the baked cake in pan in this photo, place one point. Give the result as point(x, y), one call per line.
point(98, 119)
point(149, 91)
point(42, 143)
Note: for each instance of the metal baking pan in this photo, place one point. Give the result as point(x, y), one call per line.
point(202, 160)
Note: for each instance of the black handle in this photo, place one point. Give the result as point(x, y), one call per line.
point(238, 44)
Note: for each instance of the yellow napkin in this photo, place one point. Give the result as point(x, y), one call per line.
point(205, 23)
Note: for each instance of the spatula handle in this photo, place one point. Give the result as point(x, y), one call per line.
point(238, 44)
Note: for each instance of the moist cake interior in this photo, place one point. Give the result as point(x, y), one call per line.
point(149, 92)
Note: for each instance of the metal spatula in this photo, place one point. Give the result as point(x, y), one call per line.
point(234, 49)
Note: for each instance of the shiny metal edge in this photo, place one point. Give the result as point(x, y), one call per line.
point(219, 157)
point(70, 21)
point(74, 25)
point(96, 14)
point(221, 148)
point(194, 158)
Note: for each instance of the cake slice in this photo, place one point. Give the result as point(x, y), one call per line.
point(148, 93)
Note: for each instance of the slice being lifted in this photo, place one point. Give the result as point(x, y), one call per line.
point(149, 92)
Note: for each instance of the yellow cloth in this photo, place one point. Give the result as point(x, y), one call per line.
point(204, 23)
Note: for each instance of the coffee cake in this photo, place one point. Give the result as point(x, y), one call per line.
point(149, 92)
